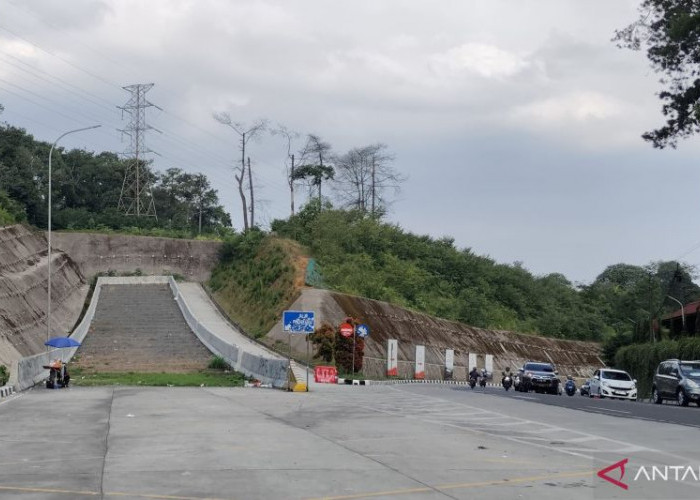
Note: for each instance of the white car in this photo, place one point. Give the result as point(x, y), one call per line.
point(608, 383)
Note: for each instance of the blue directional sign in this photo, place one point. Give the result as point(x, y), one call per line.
point(362, 331)
point(299, 321)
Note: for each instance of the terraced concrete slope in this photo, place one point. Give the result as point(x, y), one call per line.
point(410, 328)
point(140, 328)
point(23, 293)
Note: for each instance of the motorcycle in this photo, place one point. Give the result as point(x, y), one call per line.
point(570, 386)
point(507, 382)
point(482, 381)
point(472, 382)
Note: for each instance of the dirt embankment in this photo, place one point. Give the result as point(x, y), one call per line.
point(410, 328)
point(23, 292)
point(97, 253)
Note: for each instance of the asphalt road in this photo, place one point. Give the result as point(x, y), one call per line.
point(669, 412)
point(335, 443)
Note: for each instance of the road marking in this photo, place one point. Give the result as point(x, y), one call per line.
point(459, 486)
point(607, 409)
point(526, 397)
point(97, 493)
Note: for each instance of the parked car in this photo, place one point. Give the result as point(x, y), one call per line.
point(585, 389)
point(609, 383)
point(677, 380)
point(538, 377)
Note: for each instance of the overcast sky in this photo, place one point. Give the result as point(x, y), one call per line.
point(517, 123)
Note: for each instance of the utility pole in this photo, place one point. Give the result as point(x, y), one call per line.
point(136, 197)
point(252, 198)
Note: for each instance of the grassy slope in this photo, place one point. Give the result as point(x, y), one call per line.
point(253, 285)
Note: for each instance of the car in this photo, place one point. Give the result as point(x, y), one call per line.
point(585, 388)
point(539, 377)
point(677, 380)
point(610, 383)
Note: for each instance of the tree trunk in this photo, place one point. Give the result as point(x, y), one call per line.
point(291, 184)
point(240, 184)
point(373, 185)
point(252, 198)
point(243, 201)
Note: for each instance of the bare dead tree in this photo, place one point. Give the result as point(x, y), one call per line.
point(364, 175)
point(246, 133)
point(291, 159)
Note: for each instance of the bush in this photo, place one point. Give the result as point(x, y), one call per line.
point(4, 376)
point(219, 363)
point(641, 360)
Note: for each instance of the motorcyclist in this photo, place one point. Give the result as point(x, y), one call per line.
point(506, 373)
point(474, 374)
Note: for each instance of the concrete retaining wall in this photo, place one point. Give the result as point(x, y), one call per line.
point(267, 370)
point(95, 253)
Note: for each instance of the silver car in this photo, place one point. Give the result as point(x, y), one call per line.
point(677, 380)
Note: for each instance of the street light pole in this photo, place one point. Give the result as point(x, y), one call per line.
point(682, 310)
point(48, 308)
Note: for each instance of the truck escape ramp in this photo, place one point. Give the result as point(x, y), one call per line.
point(191, 312)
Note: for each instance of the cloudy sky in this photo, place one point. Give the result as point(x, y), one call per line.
point(517, 123)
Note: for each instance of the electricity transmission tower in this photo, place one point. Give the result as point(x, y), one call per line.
point(136, 197)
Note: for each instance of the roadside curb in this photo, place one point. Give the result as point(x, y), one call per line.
point(350, 381)
point(6, 391)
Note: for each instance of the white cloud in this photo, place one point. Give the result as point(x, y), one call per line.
point(482, 59)
point(577, 106)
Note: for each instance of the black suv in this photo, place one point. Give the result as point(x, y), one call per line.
point(540, 377)
point(677, 380)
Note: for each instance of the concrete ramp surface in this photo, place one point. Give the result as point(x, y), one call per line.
point(140, 328)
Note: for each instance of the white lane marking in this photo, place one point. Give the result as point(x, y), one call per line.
point(525, 397)
point(584, 439)
point(607, 409)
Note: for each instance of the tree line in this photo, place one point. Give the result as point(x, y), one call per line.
point(86, 187)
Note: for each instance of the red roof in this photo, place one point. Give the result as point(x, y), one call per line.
point(690, 308)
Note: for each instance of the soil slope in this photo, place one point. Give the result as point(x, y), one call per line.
point(411, 328)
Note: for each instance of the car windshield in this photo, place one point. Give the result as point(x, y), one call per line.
point(615, 376)
point(691, 369)
point(539, 367)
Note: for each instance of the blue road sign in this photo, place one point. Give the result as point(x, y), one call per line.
point(299, 321)
point(362, 331)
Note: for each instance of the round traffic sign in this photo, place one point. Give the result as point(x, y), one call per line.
point(362, 331)
point(346, 330)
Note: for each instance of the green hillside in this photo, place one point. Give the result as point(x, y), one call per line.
point(362, 255)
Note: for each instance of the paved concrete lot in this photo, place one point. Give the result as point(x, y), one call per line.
point(337, 442)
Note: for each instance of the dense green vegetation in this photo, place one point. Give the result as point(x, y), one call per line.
point(254, 280)
point(4, 376)
point(86, 188)
point(364, 256)
point(641, 360)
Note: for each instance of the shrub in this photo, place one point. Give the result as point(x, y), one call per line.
point(4, 376)
point(641, 360)
point(219, 363)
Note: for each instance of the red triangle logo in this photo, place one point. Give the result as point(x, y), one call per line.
point(603, 473)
